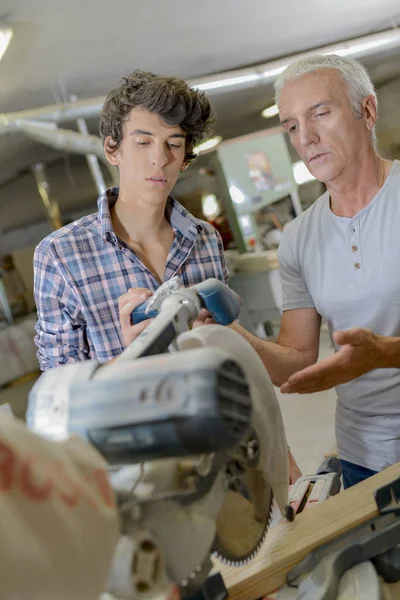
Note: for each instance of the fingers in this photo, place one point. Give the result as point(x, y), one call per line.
point(318, 377)
point(353, 336)
point(127, 303)
point(204, 318)
point(138, 294)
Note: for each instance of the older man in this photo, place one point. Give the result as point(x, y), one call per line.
point(340, 261)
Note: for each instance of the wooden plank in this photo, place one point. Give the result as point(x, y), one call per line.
point(288, 543)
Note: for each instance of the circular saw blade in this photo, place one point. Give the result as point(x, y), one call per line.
point(243, 520)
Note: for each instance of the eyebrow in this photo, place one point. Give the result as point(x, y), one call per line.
point(310, 109)
point(173, 135)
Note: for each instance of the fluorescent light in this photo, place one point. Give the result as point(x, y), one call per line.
point(6, 34)
point(210, 205)
point(272, 73)
point(236, 194)
point(211, 143)
point(301, 173)
point(357, 48)
point(214, 85)
point(269, 112)
point(270, 70)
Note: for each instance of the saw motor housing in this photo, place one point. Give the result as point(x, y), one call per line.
point(181, 423)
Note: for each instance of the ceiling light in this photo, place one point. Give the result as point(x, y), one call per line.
point(210, 205)
point(269, 112)
point(301, 173)
point(357, 48)
point(236, 194)
point(211, 143)
point(213, 85)
point(270, 70)
point(6, 34)
point(272, 73)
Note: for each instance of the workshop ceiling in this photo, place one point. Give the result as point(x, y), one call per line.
point(84, 47)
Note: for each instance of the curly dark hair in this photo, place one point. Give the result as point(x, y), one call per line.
point(173, 99)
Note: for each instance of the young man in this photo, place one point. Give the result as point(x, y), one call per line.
point(91, 274)
point(339, 261)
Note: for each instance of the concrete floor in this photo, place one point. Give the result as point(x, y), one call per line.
point(309, 419)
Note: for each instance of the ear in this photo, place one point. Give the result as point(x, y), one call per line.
point(112, 154)
point(369, 111)
point(185, 165)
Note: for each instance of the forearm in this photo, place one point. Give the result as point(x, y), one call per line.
point(280, 361)
point(389, 352)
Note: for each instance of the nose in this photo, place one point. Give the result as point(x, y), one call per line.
point(308, 134)
point(159, 156)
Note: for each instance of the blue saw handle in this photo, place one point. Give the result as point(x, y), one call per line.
point(222, 303)
point(138, 314)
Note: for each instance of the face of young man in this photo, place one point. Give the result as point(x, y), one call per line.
point(149, 157)
point(316, 113)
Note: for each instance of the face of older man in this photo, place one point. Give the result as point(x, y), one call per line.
point(316, 113)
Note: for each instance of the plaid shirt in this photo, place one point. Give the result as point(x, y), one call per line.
point(82, 269)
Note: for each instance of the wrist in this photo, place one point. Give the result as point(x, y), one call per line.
point(388, 352)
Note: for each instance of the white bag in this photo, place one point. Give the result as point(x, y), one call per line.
point(58, 522)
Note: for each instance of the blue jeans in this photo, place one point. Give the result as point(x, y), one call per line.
point(353, 474)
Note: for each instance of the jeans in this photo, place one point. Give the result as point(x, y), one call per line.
point(353, 474)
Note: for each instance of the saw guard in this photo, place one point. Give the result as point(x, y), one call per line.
point(266, 418)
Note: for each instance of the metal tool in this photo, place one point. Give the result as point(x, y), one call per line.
point(310, 490)
point(195, 441)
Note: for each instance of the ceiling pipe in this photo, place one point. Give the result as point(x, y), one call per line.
point(49, 203)
point(63, 139)
point(68, 140)
point(56, 113)
point(91, 159)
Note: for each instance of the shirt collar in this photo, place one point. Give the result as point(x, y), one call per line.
point(104, 203)
point(179, 217)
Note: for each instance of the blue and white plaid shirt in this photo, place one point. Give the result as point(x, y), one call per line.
point(82, 269)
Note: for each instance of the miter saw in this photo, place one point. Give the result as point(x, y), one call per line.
point(194, 438)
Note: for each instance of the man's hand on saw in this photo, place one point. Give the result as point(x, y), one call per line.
point(359, 353)
point(126, 303)
point(204, 318)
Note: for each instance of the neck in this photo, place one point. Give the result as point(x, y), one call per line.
point(136, 221)
point(353, 189)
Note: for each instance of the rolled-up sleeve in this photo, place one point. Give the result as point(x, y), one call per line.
point(61, 329)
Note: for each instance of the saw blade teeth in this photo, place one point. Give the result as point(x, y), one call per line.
point(241, 563)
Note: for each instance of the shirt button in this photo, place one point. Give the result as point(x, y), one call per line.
point(357, 265)
point(353, 230)
point(354, 248)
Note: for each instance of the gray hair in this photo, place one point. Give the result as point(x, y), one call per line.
point(354, 75)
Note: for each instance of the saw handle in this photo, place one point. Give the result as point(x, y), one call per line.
point(222, 303)
point(139, 313)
